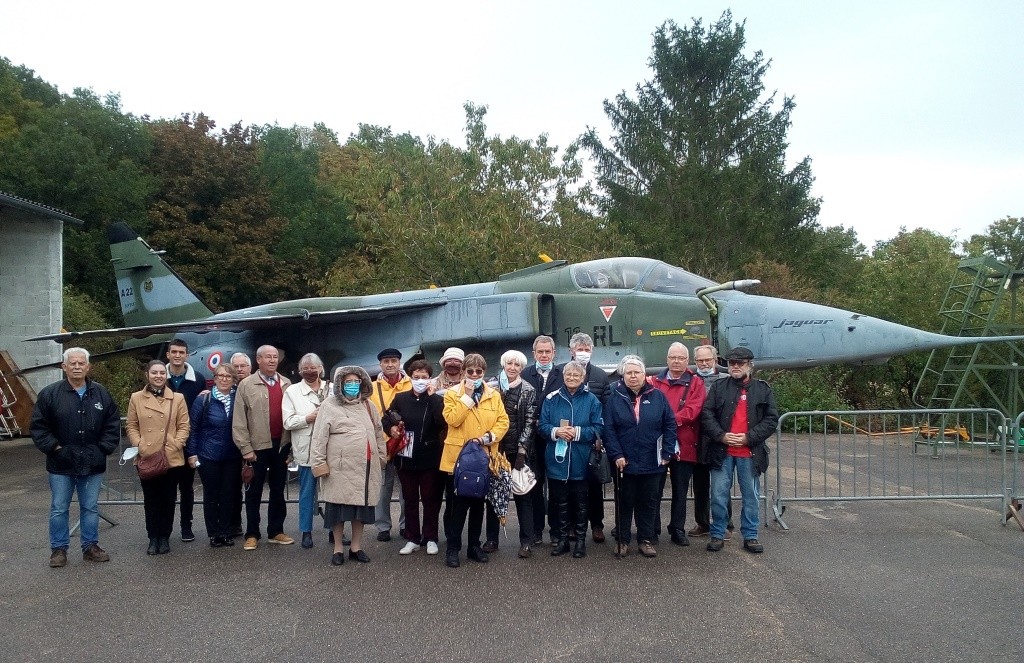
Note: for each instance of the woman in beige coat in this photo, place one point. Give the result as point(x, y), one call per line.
point(158, 423)
point(349, 440)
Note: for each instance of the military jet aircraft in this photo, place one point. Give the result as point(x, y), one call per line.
point(627, 305)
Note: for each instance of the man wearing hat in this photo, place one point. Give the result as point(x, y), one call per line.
point(391, 381)
point(451, 374)
point(739, 415)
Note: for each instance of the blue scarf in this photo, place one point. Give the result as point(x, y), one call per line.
point(225, 399)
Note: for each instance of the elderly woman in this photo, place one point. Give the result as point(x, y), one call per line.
point(158, 424)
point(640, 435)
point(299, 408)
point(475, 414)
point(348, 442)
point(211, 450)
point(422, 413)
point(571, 422)
point(520, 400)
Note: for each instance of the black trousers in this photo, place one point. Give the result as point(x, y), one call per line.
point(270, 467)
point(186, 488)
point(680, 472)
point(595, 503)
point(221, 480)
point(639, 500)
point(537, 496)
point(158, 497)
point(458, 510)
point(569, 500)
point(524, 511)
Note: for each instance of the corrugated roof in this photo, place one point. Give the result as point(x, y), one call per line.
point(7, 200)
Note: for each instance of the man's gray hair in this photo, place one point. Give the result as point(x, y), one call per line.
point(543, 339)
point(579, 339)
point(679, 346)
point(263, 348)
point(75, 351)
point(248, 362)
point(714, 350)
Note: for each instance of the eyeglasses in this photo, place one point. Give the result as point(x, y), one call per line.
point(352, 381)
point(737, 362)
point(223, 375)
point(474, 371)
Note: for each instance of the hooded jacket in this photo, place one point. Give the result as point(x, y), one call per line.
point(686, 396)
point(644, 440)
point(583, 411)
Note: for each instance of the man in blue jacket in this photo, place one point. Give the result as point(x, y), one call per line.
point(739, 415)
point(77, 425)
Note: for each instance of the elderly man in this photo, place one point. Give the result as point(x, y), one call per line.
point(391, 381)
point(739, 415)
point(181, 378)
point(581, 347)
point(242, 365)
point(77, 425)
point(257, 426)
point(706, 359)
point(546, 378)
point(685, 392)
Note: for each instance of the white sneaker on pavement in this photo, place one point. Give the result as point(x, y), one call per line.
point(409, 548)
point(431, 548)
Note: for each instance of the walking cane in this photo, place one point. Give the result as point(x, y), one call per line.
point(618, 525)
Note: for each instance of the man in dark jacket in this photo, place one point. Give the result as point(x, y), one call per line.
point(546, 378)
point(739, 415)
point(77, 425)
point(182, 378)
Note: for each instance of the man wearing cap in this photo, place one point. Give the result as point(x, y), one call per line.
point(739, 415)
point(391, 381)
point(451, 373)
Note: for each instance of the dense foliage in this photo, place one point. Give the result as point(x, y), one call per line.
point(252, 214)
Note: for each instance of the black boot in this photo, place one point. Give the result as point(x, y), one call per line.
point(153, 546)
point(163, 545)
point(561, 510)
point(580, 525)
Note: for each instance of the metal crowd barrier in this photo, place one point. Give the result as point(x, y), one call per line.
point(844, 455)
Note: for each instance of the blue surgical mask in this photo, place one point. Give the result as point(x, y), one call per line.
point(477, 383)
point(706, 372)
point(503, 380)
point(561, 446)
point(419, 385)
point(544, 367)
point(351, 389)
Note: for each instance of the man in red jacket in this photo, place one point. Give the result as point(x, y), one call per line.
point(685, 392)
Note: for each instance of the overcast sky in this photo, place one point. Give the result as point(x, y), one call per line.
point(910, 111)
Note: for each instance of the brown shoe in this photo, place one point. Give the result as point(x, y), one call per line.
point(281, 539)
point(524, 552)
point(699, 530)
point(622, 550)
point(490, 547)
point(647, 549)
point(250, 543)
point(598, 535)
point(58, 558)
point(95, 554)
point(728, 535)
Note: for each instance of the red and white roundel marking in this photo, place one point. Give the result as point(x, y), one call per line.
point(213, 361)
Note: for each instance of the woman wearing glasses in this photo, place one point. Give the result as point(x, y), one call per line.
point(475, 414)
point(348, 442)
point(213, 453)
point(571, 421)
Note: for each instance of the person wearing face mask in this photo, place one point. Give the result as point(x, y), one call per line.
point(349, 440)
point(451, 370)
point(423, 428)
point(546, 378)
point(706, 359)
point(158, 423)
point(517, 445)
point(391, 381)
point(475, 414)
point(300, 408)
point(739, 416)
point(596, 381)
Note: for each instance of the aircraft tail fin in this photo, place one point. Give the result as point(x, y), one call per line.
point(150, 291)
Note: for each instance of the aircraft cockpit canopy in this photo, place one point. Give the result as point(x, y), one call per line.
point(637, 273)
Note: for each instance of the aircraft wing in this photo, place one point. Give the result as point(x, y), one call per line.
point(300, 317)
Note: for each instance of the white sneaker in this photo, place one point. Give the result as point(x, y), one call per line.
point(431, 548)
point(409, 548)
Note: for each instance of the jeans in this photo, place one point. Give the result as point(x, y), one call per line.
point(271, 467)
point(638, 499)
point(721, 486)
point(387, 488)
point(62, 487)
point(426, 486)
point(307, 498)
point(158, 496)
point(221, 480)
point(702, 496)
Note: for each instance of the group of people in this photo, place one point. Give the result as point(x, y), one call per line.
point(355, 439)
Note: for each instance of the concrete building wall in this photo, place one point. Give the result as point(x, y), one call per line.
point(30, 290)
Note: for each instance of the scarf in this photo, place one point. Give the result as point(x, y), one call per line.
point(225, 399)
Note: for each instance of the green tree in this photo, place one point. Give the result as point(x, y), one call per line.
point(1003, 240)
point(700, 154)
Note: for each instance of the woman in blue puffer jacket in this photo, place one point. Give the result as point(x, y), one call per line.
point(211, 450)
point(571, 422)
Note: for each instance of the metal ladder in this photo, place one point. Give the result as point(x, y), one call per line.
point(8, 423)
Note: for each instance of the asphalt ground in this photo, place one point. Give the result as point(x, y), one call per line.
point(850, 581)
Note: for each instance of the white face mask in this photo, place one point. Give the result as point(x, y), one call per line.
point(582, 356)
point(419, 385)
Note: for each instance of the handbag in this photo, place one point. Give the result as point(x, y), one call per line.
point(598, 469)
point(247, 473)
point(523, 480)
point(154, 465)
